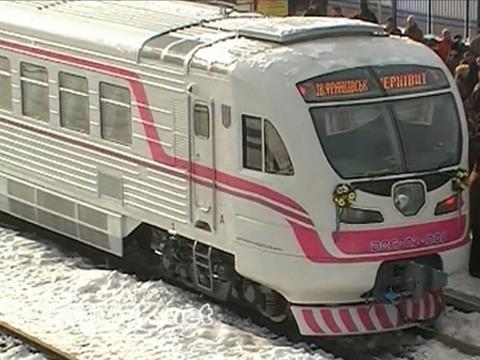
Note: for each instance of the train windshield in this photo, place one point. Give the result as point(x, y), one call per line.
point(387, 138)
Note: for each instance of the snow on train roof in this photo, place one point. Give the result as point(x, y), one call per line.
point(126, 29)
point(119, 28)
point(291, 29)
point(255, 37)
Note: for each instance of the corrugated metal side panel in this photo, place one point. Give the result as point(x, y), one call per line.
point(181, 129)
point(161, 192)
point(62, 214)
point(159, 195)
point(47, 158)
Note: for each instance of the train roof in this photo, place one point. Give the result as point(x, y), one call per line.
point(119, 28)
point(163, 30)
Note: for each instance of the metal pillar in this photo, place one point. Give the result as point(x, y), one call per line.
point(429, 17)
point(379, 11)
point(478, 15)
point(394, 12)
point(467, 19)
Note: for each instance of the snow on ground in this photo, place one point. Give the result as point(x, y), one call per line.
point(11, 349)
point(433, 350)
point(463, 282)
point(404, 346)
point(99, 314)
point(462, 326)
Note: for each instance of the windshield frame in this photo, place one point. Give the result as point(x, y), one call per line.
point(387, 101)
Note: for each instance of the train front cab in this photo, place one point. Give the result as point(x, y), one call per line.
point(376, 215)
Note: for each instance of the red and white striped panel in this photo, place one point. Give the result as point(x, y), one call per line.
point(364, 319)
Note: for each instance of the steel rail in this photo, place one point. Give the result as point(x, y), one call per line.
point(461, 301)
point(448, 340)
point(34, 342)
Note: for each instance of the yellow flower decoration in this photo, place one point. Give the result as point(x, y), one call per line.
point(459, 180)
point(344, 195)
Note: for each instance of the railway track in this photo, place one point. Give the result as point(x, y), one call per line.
point(404, 345)
point(49, 351)
point(448, 340)
point(461, 301)
point(337, 346)
point(464, 303)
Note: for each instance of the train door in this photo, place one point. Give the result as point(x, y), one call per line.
point(203, 165)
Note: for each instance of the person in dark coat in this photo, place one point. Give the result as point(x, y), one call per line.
point(365, 13)
point(473, 117)
point(474, 184)
point(314, 9)
point(336, 12)
point(391, 28)
point(472, 77)
point(461, 79)
point(456, 54)
point(475, 101)
point(475, 44)
point(412, 30)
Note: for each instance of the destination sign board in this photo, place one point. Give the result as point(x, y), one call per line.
point(372, 82)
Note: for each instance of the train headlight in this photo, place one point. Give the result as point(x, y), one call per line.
point(409, 198)
point(450, 204)
point(350, 215)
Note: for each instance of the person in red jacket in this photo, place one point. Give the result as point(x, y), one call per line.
point(445, 45)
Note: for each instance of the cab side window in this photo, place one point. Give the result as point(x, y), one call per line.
point(5, 84)
point(115, 113)
point(74, 107)
point(252, 142)
point(201, 119)
point(35, 100)
point(263, 148)
point(277, 160)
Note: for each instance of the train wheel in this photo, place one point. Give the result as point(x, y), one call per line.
point(267, 302)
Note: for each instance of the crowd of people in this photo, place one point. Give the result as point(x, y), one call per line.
point(463, 61)
point(464, 64)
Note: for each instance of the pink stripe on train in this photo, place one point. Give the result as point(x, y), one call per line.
point(400, 238)
point(157, 152)
point(363, 319)
point(297, 217)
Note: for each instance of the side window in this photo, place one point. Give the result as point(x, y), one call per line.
point(263, 148)
point(5, 84)
point(34, 80)
point(201, 119)
point(74, 108)
point(277, 160)
point(252, 142)
point(115, 113)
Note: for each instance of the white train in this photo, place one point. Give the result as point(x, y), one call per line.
point(215, 140)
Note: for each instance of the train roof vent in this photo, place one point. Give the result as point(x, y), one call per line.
point(41, 4)
point(293, 29)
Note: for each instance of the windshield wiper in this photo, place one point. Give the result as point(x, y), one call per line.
point(444, 163)
point(380, 173)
